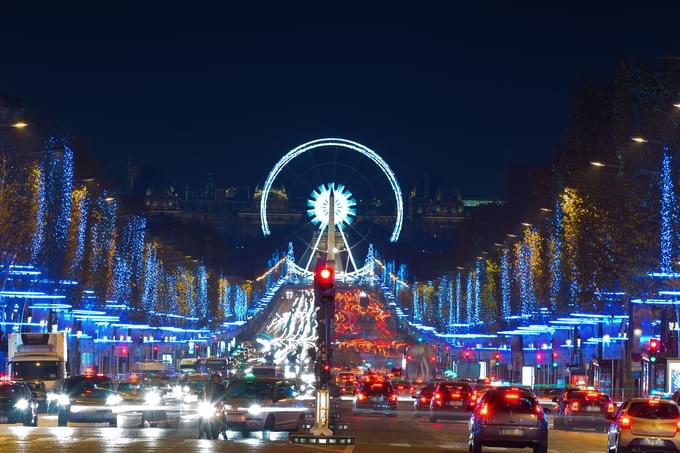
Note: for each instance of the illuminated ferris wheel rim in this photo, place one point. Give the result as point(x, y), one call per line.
point(332, 142)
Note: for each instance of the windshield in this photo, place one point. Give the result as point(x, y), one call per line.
point(377, 389)
point(89, 387)
point(11, 391)
point(33, 370)
point(251, 390)
point(654, 411)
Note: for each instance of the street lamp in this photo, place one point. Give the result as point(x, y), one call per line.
point(19, 125)
point(639, 139)
point(597, 164)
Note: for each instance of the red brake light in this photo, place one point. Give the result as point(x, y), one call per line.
point(611, 408)
point(484, 410)
point(361, 396)
point(511, 396)
point(574, 406)
point(438, 396)
point(455, 396)
point(538, 409)
point(393, 397)
point(423, 399)
point(677, 427)
point(624, 422)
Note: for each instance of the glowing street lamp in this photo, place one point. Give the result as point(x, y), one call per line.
point(20, 125)
point(639, 139)
point(597, 164)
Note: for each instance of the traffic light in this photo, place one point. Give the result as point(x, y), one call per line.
point(539, 360)
point(467, 354)
point(324, 281)
point(554, 359)
point(653, 349)
point(325, 375)
point(497, 358)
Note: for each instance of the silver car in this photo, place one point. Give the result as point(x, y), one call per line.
point(508, 417)
point(262, 404)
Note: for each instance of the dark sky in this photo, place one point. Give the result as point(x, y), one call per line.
point(457, 90)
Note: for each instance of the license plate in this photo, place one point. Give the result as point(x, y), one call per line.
point(456, 403)
point(376, 399)
point(511, 432)
point(652, 442)
point(234, 418)
point(592, 409)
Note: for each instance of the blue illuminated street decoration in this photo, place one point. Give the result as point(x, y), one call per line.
point(667, 213)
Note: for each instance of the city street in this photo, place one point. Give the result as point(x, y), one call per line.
point(373, 434)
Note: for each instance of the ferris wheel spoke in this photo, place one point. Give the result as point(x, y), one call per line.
point(349, 251)
point(316, 246)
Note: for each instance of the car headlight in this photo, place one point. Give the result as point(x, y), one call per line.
point(152, 398)
point(255, 409)
point(63, 399)
point(191, 398)
point(22, 404)
point(206, 409)
point(52, 396)
point(113, 400)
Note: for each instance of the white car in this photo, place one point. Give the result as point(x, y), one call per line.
point(263, 404)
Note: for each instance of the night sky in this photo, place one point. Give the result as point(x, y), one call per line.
point(452, 90)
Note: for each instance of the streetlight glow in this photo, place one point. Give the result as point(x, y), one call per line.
point(597, 164)
point(639, 139)
point(20, 125)
point(677, 106)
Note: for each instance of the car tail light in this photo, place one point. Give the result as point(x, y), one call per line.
point(484, 410)
point(455, 396)
point(677, 427)
point(423, 399)
point(473, 397)
point(438, 396)
point(611, 408)
point(624, 422)
point(361, 396)
point(575, 406)
point(511, 396)
point(538, 409)
point(393, 397)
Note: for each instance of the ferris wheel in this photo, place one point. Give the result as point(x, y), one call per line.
point(368, 204)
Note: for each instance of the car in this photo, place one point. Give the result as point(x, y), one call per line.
point(421, 405)
point(17, 404)
point(452, 400)
point(508, 417)
point(88, 398)
point(404, 388)
point(645, 424)
point(39, 394)
point(586, 409)
point(257, 404)
point(375, 396)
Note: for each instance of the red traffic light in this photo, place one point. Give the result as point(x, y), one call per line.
point(497, 356)
point(325, 274)
point(467, 354)
point(539, 357)
point(554, 355)
point(155, 348)
point(326, 367)
point(653, 344)
point(123, 351)
point(409, 357)
point(433, 359)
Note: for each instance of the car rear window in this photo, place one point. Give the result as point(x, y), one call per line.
point(510, 401)
point(90, 387)
point(591, 397)
point(380, 388)
point(427, 391)
point(653, 411)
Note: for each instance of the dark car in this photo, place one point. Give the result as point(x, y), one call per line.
point(39, 394)
point(17, 404)
point(452, 401)
point(375, 396)
point(508, 417)
point(585, 409)
point(421, 405)
point(88, 398)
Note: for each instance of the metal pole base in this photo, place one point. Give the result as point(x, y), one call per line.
point(323, 414)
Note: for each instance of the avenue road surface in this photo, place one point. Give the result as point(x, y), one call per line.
point(379, 434)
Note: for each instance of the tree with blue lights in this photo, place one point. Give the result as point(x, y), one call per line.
point(506, 311)
point(667, 212)
point(202, 292)
point(240, 304)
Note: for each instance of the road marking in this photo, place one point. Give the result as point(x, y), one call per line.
point(455, 446)
point(403, 444)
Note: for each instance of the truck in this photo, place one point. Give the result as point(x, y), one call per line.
point(38, 357)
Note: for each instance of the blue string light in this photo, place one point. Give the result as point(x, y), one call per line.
point(240, 304)
point(39, 212)
point(469, 301)
point(417, 314)
point(82, 206)
point(556, 259)
point(525, 274)
point(505, 284)
point(150, 282)
point(667, 212)
point(477, 279)
point(459, 304)
point(202, 291)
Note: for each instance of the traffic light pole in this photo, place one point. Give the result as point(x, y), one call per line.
point(324, 317)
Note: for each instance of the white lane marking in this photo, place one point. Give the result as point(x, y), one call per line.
point(455, 446)
point(402, 444)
